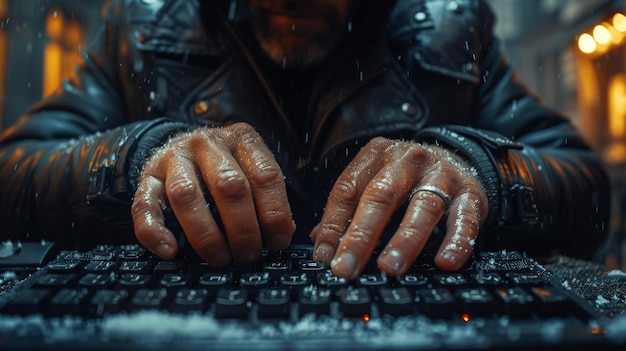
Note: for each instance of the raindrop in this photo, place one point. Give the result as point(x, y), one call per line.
point(350, 27)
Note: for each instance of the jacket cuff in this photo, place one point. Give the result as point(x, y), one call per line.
point(481, 149)
point(115, 178)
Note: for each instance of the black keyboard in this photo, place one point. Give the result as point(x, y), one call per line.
point(122, 297)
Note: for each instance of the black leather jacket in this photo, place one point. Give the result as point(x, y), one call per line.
point(434, 74)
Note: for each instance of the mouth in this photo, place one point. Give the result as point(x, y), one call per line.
point(298, 18)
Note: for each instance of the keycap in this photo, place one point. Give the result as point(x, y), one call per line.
point(151, 299)
point(190, 300)
point(273, 303)
point(231, 303)
point(396, 301)
point(354, 302)
point(107, 302)
point(437, 302)
point(68, 302)
point(314, 300)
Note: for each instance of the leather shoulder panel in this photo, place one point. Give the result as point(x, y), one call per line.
point(440, 36)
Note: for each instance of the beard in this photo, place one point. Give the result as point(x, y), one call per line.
point(298, 46)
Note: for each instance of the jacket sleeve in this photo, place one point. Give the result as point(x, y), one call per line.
point(547, 190)
point(67, 166)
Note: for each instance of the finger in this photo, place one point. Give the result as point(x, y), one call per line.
point(382, 197)
point(148, 220)
point(425, 210)
point(268, 190)
point(463, 226)
point(343, 200)
point(184, 192)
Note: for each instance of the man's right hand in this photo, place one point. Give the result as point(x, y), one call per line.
point(241, 175)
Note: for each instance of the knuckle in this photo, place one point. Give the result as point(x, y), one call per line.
point(414, 234)
point(380, 191)
point(345, 192)
point(231, 184)
point(331, 232)
point(274, 218)
point(266, 174)
point(182, 190)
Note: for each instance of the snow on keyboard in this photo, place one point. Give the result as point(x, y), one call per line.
point(122, 297)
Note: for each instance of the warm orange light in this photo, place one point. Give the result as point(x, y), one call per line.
point(465, 317)
point(619, 22)
point(586, 43)
point(366, 318)
point(617, 105)
point(601, 34)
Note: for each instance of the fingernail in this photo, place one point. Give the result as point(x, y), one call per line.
point(345, 265)
point(164, 250)
point(324, 252)
point(392, 260)
point(451, 256)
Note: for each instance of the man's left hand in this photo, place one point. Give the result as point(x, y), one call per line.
point(382, 176)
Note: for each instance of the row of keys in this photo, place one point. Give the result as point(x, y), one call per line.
point(277, 302)
point(294, 280)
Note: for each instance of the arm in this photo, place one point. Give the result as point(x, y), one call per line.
point(547, 190)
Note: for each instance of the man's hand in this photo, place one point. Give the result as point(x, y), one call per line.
point(375, 184)
point(241, 175)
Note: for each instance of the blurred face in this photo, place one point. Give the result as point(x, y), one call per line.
point(300, 33)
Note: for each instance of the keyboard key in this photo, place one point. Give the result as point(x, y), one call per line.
point(171, 281)
point(436, 303)
point(151, 299)
point(68, 301)
point(450, 279)
point(332, 282)
point(231, 303)
point(314, 300)
point(488, 278)
point(294, 281)
point(134, 267)
point(412, 281)
point(517, 301)
point(164, 267)
point(354, 302)
point(107, 301)
point(55, 281)
point(552, 302)
point(373, 281)
point(273, 303)
point(99, 266)
point(253, 282)
point(190, 301)
point(214, 281)
point(64, 266)
point(312, 268)
point(477, 301)
point(27, 302)
point(134, 281)
point(396, 301)
point(96, 281)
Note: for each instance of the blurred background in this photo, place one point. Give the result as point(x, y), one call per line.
point(570, 52)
